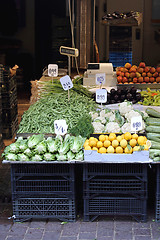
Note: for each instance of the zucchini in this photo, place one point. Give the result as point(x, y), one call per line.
point(155, 145)
point(152, 112)
point(153, 129)
point(153, 121)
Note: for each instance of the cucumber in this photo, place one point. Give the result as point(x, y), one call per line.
point(153, 121)
point(154, 135)
point(155, 145)
point(152, 112)
point(153, 129)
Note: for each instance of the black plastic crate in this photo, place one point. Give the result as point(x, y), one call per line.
point(115, 185)
point(115, 206)
point(9, 115)
point(158, 193)
point(8, 83)
point(43, 178)
point(9, 99)
point(10, 130)
point(44, 207)
point(135, 170)
point(158, 209)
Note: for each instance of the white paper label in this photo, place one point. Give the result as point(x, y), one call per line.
point(66, 82)
point(100, 78)
point(136, 124)
point(53, 70)
point(101, 95)
point(60, 127)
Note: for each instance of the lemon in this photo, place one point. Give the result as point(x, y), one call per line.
point(148, 143)
point(136, 148)
point(123, 143)
point(122, 136)
point(99, 144)
point(146, 147)
point(86, 143)
point(106, 137)
point(102, 138)
point(127, 150)
point(119, 149)
point(133, 142)
point(110, 149)
point(111, 136)
point(119, 138)
point(102, 150)
point(91, 138)
point(87, 148)
point(92, 143)
point(107, 143)
point(127, 136)
point(145, 139)
point(135, 136)
point(141, 140)
point(115, 143)
point(95, 149)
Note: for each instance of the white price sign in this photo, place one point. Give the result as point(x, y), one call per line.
point(100, 78)
point(136, 123)
point(60, 127)
point(66, 82)
point(53, 70)
point(101, 95)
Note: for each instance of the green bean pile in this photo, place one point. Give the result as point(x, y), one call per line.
point(40, 117)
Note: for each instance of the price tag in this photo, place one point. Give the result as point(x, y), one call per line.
point(66, 82)
point(136, 124)
point(60, 127)
point(101, 95)
point(53, 70)
point(100, 78)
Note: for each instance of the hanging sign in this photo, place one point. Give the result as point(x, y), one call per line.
point(60, 127)
point(136, 124)
point(73, 52)
point(53, 70)
point(101, 95)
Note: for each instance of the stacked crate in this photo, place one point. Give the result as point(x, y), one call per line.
point(115, 189)
point(158, 194)
point(1, 140)
point(9, 103)
point(43, 191)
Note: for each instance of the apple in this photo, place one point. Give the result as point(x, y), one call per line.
point(144, 74)
point(122, 74)
point(155, 74)
point(125, 80)
point(158, 69)
point(138, 74)
point(135, 80)
point(149, 74)
point(118, 73)
point(146, 79)
point(127, 74)
point(146, 69)
point(132, 69)
point(140, 70)
point(142, 65)
point(119, 79)
point(140, 79)
point(152, 79)
point(158, 79)
point(132, 74)
point(127, 65)
point(152, 70)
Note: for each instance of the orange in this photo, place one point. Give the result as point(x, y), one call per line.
point(107, 143)
point(99, 144)
point(102, 138)
point(135, 136)
point(102, 150)
point(127, 136)
point(92, 143)
point(115, 143)
point(111, 136)
point(133, 142)
point(119, 149)
point(110, 149)
point(123, 143)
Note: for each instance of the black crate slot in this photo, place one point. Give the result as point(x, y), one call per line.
point(61, 208)
point(158, 194)
point(9, 115)
point(98, 206)
point(10, 130)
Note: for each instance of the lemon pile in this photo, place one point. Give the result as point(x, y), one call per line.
point(112, 143)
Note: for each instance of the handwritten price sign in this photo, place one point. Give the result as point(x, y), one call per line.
point(66, 82)
point(53, 70)
point(136, 124)
point(101, 95)
point(60, 127)
point(100, 78)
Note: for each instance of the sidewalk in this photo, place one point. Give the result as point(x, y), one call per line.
point(104, 228)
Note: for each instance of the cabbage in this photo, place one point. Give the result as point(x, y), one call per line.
point(49, 157)
point(62, 157)
point(28, 152)
point(34, 140)
point(11, 157)
point(22, 157)
point(70, 155)
point(36, 158)
point(14, 147)
point(79, 156)
point(64, 147)
point(41, 148)
point(23, 145)
point(77, 144)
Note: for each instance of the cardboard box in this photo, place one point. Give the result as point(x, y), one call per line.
point(135, 157)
